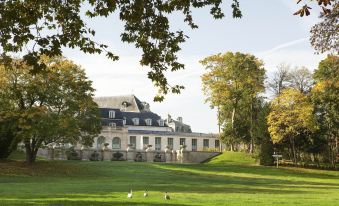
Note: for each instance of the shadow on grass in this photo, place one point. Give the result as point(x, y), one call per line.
point(83, 203)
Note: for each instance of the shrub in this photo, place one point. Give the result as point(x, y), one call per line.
point(138, 157)
point(157, 157)
point(117, 156)
point(94, 156)
point(72, 154)
point(266, 152)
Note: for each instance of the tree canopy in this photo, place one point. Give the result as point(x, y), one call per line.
point(291, 117)
point(53, 106)
point(36, 28)
point(44, 27)
point(325, 95)
point(232, 83)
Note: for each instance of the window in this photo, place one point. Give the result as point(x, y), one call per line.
point(111, 114)
point(100, 142)
point(145, 141)
point(148, 122)
point(170, 143)
point(206, 143)
point(194, 144)
point(116, 143)
point(136, 121)
point(124, 121)
point(182, 141)
point(133, 141)
point(158, 143)
point(112, 124)
point(161, 122)
point(217, 143)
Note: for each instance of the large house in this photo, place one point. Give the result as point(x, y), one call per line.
point(129, 122)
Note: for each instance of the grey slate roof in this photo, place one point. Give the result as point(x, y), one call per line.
point(116, 102)
point(164, 133)
point(120, 115)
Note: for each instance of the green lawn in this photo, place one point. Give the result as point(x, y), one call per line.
point(230, 179)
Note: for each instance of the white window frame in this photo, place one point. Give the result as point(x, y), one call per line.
point(157, 144)
point(111, 114)
point(161, 122)
point(148, 122)
point(135, 121)
point(182, 140)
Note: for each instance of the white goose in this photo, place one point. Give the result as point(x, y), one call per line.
point(167, 197)
point(146, 193)
point(130, 194)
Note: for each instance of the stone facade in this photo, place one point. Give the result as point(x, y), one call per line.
point(130, 128)
point(127, 120)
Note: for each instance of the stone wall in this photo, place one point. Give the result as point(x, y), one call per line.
point(198, 157)
point(168, 156)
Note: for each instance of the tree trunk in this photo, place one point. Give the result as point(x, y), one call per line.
point(31, 147)
point(293, 151)
point(251, 146)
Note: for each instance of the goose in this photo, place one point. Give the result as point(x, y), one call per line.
point(146, 193)
point(167, 197)
point(130, 194)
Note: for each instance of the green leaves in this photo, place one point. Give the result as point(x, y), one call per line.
point(53, 106)
point(39, 28)
point(232, 83)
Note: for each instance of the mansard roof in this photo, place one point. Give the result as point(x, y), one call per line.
point(120, 115)
point(131, 102)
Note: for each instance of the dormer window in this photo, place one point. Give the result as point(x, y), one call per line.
point(148, 122)
point(136, 121)
point(124, 121)
point(161, 122)
point(111, 114)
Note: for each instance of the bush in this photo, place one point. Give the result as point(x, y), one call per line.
point(266, 152)
point(72, 154)
point(157, 157)
point(94, 156)
point(117, 156)
point(138, 157)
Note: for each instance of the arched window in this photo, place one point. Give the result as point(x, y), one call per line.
point(116, 143)
point(100, 142)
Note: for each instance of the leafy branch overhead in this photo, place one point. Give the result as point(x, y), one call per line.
point(324, 4)
point(44, 27)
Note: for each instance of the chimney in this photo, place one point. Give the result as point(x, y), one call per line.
point(179, 119)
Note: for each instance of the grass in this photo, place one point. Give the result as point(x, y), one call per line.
point(230, 179)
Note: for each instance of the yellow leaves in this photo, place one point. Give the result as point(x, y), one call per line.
point(291, 113)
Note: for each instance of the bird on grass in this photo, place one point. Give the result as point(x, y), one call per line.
point(167, 197)
point(146, 193)
point(130, 194)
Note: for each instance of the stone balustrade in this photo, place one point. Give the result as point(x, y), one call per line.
point(131, 154)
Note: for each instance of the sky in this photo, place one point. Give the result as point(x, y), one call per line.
point(267, 30)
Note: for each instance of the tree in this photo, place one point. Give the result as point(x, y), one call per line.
point(53, 106)
point(325, 95)
point(325, 35)
point(281, 79)
point(44, 27)
point(8, 131)
point(291, 118)
point(301, 79)
point(231, 83)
